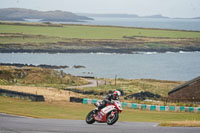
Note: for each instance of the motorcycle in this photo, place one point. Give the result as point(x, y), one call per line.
point(109, 114)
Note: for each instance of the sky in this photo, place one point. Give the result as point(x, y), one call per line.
point(169, 8)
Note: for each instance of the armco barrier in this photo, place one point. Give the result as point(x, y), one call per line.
point(149, 107)
point(32, 97)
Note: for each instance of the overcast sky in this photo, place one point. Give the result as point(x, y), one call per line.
point(170, 8)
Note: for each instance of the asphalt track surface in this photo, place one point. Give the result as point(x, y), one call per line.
point(15, 124)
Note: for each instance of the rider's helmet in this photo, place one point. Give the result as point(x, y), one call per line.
point(116, 94)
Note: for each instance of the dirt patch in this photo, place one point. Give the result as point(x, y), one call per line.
point(50, 94)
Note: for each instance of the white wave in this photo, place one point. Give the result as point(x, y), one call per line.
point(184, 52)
point(151, 53)
point(100, 53)
point(145, 53)
point(169, 52)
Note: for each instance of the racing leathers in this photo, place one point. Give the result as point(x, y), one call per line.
point(107, 100)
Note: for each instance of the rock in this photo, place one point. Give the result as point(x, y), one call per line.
point(78, 66)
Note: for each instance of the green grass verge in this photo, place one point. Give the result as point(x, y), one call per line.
point(181, 124)
point(79, 111)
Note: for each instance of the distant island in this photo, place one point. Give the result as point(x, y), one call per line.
point(121, 15)
point(21, 14)
point(117, 15)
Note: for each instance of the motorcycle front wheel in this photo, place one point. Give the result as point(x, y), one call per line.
point(111, 119)
point(90, 118)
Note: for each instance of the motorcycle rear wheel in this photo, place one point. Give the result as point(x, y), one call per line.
point(112, 119)
point(90, 118)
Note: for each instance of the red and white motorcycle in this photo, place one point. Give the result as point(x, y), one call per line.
point(108, 114)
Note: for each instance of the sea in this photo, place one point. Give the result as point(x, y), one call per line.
point(160, 23)
point(179, 66)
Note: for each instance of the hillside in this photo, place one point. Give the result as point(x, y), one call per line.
point(21, 14)
point(37, 76)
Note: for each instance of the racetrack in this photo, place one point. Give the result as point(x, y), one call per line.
point(15, 124)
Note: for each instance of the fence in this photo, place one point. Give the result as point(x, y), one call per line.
point(150, 107)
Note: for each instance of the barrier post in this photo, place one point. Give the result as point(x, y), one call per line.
point(162, 108)
point(129, 105)
point(85, 100)
point(124, 104)
point(171, 108)
point(191, 109)
point(182, 108)
point(134, 106)
point(153, 107)
point(94, 101)
point(143, 106)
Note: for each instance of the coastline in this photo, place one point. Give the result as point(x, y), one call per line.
point(63, 38)
point(100, 50)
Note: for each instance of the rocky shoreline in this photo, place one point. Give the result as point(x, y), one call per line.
point(41, 65)
point(30, 65)
point(100, 50)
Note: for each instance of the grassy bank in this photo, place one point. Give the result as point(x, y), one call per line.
point(84, 38)
point(36, 80)
point(79, 111)
point(36, 76)
point(131, 86)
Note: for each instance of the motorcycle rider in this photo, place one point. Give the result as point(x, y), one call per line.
point(108, 100)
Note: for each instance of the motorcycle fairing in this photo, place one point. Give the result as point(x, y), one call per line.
point(108, 109)
point(101, 116)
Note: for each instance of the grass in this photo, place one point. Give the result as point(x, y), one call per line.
point(95, 32)
point(43, 109)
point(30, 39)
point(181, 124)
point(65, 38)
point(37, 76)
point(158, 45)
point(40, 77)
point(154, 116)
point(60, 110)
point(132, 86)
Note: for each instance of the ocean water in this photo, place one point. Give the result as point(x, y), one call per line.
point(180, 66)
point(163, 23)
